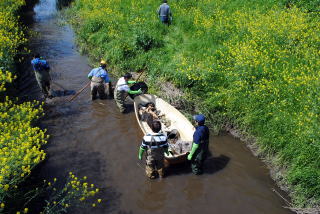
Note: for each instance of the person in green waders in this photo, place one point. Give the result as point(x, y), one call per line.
point(155, 145)
point(200, 145)
point(122, 90)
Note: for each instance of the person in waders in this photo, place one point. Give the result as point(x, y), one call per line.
point(164, 13)
point(122, 90)
point(99, 80)
point(200, 145)
point(155, 145)
point(41, 69)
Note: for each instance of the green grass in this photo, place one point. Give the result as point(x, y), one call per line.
point(252, 63)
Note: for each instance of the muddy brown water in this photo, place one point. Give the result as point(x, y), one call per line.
point(94, 139)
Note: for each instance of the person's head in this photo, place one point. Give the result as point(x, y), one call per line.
point(156, 126)
point(165, 1)
point(36, 55)
point(103, 64)
point(199, 119)
point(127, 76)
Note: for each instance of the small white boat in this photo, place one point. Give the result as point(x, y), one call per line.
point(179, 144)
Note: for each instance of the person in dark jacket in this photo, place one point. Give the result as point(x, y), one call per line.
point(200, 145)
point(164, 13)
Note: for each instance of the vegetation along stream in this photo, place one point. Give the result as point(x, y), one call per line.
point(96, 140)
point(93, 139)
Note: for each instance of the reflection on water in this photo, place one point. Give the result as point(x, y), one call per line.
point(45, 9)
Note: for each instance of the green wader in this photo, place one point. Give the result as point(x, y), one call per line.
point(120, 98)
point(43, 79)
point(199, 157)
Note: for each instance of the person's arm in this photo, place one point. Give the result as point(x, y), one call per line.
point(195, 144)
point(132, 81)
point(90, 75)
point(193, 150)
point(106, 78)
point(166, 150)
point(135, 92)
point(141, 151)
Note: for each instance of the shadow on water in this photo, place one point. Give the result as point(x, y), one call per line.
point(62, 93)
point(211, 166)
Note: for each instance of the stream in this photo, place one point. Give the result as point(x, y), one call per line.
point(93, 139)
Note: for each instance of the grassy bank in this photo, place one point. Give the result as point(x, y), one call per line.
point(252, 63)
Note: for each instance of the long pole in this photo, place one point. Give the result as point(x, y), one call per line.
point(140, 75)
point(79, 92)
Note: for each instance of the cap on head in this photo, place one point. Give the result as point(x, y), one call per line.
point(127, 76)
point(103, 63)
point(200, 118)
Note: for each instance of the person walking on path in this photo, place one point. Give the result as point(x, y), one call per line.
point(41, 69)
point(200, 145)
point(155, 145)
point(164, 13)
point(99, 79)
point(122, 90)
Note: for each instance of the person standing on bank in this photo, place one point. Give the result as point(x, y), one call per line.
point(164, 13)
point(155, 145)
point(41, 69)
point(200, 145)
point(99, 79)
point(122, 90)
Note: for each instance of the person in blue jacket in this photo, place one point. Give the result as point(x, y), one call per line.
point(41, 69)
point(99, 78)
point(200, 145)
point(164, 13)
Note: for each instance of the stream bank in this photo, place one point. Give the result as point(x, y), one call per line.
point(94, 139)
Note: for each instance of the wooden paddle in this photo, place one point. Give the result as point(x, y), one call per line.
point(79, 92)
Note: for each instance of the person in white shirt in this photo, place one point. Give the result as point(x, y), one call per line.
point(122, 90)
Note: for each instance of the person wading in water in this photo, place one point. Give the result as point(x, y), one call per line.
point(155, 145)
point(199, 150)
point(99, 79)
point(41, 69)
point(122, 90)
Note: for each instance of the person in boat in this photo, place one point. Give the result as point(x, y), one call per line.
point(200, 145)
point(155, 145)
point(41, 69)
point(164, 13)
point(99, 80)
point(122, 90)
